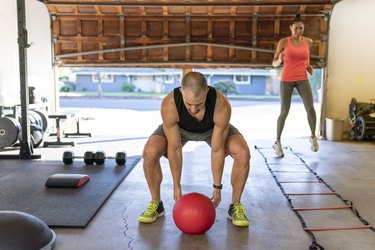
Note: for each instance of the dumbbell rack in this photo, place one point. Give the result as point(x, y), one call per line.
point(302, 167)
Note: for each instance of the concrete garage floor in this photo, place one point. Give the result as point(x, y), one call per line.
point(349, 168)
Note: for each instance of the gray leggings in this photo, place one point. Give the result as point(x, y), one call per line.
point(286, 91)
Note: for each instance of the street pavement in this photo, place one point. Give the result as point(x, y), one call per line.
point(139, 117)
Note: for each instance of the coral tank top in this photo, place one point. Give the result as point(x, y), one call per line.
point(295, 62)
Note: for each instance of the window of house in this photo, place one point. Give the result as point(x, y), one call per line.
point(241, 79)
point(103, 77)
point(169, 79)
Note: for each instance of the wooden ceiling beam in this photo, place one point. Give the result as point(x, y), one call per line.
point(79, 35)
point(55, 33)
point(175, 64)
point(254, 33)
point(122, 36)
point(208, 31)
point(232, 30)
point(187, 32)
point(142, 10)
point(279, 10)
point(165, 11)
point(143, 38)
point(138, 40)
point(120, 11)
point(165, 38)
point(52, 9)
point(98, 10)
point(100, 35)
point(189, 3)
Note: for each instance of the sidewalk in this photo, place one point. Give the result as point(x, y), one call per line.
point(124, 95)
point(255, 122)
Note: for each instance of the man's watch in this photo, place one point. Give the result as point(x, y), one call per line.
point(218, 186)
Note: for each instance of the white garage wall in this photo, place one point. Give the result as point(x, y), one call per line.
point(39, 57)
point(9, 72)
point(351, 71)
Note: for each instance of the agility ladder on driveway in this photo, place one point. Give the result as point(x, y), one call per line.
point(347, 204)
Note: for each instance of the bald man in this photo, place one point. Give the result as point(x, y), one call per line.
point(196, 112)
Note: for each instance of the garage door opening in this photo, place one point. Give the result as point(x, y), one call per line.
point(138, 92)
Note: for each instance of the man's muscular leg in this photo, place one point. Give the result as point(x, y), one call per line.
point(237, 148)
point(154, 149)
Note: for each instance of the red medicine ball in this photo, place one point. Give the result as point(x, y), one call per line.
point(194, 213)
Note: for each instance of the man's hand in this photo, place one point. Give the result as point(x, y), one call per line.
point(216, 197)
point(177, 193)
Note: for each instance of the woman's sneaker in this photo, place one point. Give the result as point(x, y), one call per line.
point(314, 143)
point(236, 213)
point(154, 210)
point(278, 149)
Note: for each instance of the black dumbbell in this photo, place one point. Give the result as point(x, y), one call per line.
point(120, 158)
point(100, 157)
point(88, 157)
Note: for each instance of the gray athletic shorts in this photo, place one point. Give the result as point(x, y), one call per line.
point(190, 136)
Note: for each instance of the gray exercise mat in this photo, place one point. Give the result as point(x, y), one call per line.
point(22, 188)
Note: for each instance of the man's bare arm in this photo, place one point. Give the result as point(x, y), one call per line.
point(174, 148)
point(219, 137)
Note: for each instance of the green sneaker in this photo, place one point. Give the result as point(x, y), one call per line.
point(236, 213)
point(154, 210)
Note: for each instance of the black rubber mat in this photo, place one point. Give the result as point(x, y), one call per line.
point(22, 188)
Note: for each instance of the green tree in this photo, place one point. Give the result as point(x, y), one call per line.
point(128, 87)
point(226, 87)
point(316, 80)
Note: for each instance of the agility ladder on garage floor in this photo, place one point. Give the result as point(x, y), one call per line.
point(347, 204)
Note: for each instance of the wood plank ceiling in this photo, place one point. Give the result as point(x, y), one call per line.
point(181, 33)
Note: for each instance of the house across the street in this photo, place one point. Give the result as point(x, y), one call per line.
point(247, 81)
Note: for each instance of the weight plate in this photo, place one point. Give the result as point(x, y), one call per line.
point(9, 129)
point(36, 118)
point(43, 116)
point(32, 118)
point(36, 138)
point(360, 128)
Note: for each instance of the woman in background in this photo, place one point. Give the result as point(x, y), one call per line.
point(295, 52)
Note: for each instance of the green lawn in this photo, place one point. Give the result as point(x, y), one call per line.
point(158, 95)
point(114, 94)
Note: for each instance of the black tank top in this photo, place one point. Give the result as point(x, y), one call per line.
point(189, 123)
